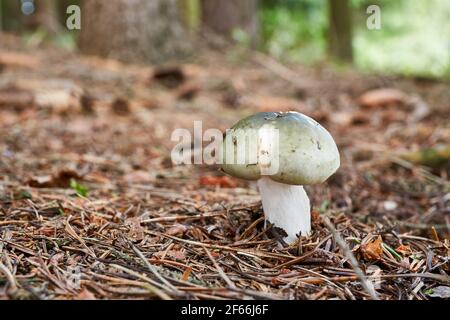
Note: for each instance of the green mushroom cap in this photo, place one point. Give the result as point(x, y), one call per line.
point(304, 152)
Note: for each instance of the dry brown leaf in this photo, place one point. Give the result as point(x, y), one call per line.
point(60, 179)
point(196, 233)
point(315, 216)
point(220, 181)
point(382, 97)
point(176, 230)
point(85, 294)
point(136, 231)
point(186, 274)
point(403, 249)
point(372, 251)
point(174, 254)
point(97, 220)
point(40, 181)
point(276, 281)
point(177, 254)
point(47, 231)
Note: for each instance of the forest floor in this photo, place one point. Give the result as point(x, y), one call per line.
point(91, 206)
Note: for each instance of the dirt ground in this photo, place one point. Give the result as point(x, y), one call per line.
point(91, 206)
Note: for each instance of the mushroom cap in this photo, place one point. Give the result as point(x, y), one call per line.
point(307, 153)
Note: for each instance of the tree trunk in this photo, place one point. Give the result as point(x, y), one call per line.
point(190, 13)
point(133, 30)
point(12, 17)
point(1, 16)
point(45, 16)
point(340, 30)
point(222, 17)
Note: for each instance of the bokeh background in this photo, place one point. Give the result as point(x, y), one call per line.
point(413, 39)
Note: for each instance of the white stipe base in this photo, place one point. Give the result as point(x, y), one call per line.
point(286, 206)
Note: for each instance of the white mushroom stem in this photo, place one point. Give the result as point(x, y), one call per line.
point(286, 206)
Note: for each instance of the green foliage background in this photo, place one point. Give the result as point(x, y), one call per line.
point(414, 38)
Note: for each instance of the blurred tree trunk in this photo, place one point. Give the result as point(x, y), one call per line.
point(1, 16)
point(11, 15)
point(223, 17)
point(45, 17)
point(190, 13)
point(133, 31)
point(340, 30)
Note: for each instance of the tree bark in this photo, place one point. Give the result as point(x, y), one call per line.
point(340, 30)
point(133, 30)
point(222, 17)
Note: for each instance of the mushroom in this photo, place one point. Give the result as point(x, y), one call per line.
point(292, 150)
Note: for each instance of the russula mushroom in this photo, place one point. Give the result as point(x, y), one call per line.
point(292, 150)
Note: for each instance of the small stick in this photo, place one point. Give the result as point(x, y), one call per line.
point(12, 222)
point(435, 234)
point(153, 269)
point(349, 255)
point(220, 270)
point(258, 253)
point(183, 217)
point(9, 276)
point(303, 257)
point(250, 228)
point(149, 286)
